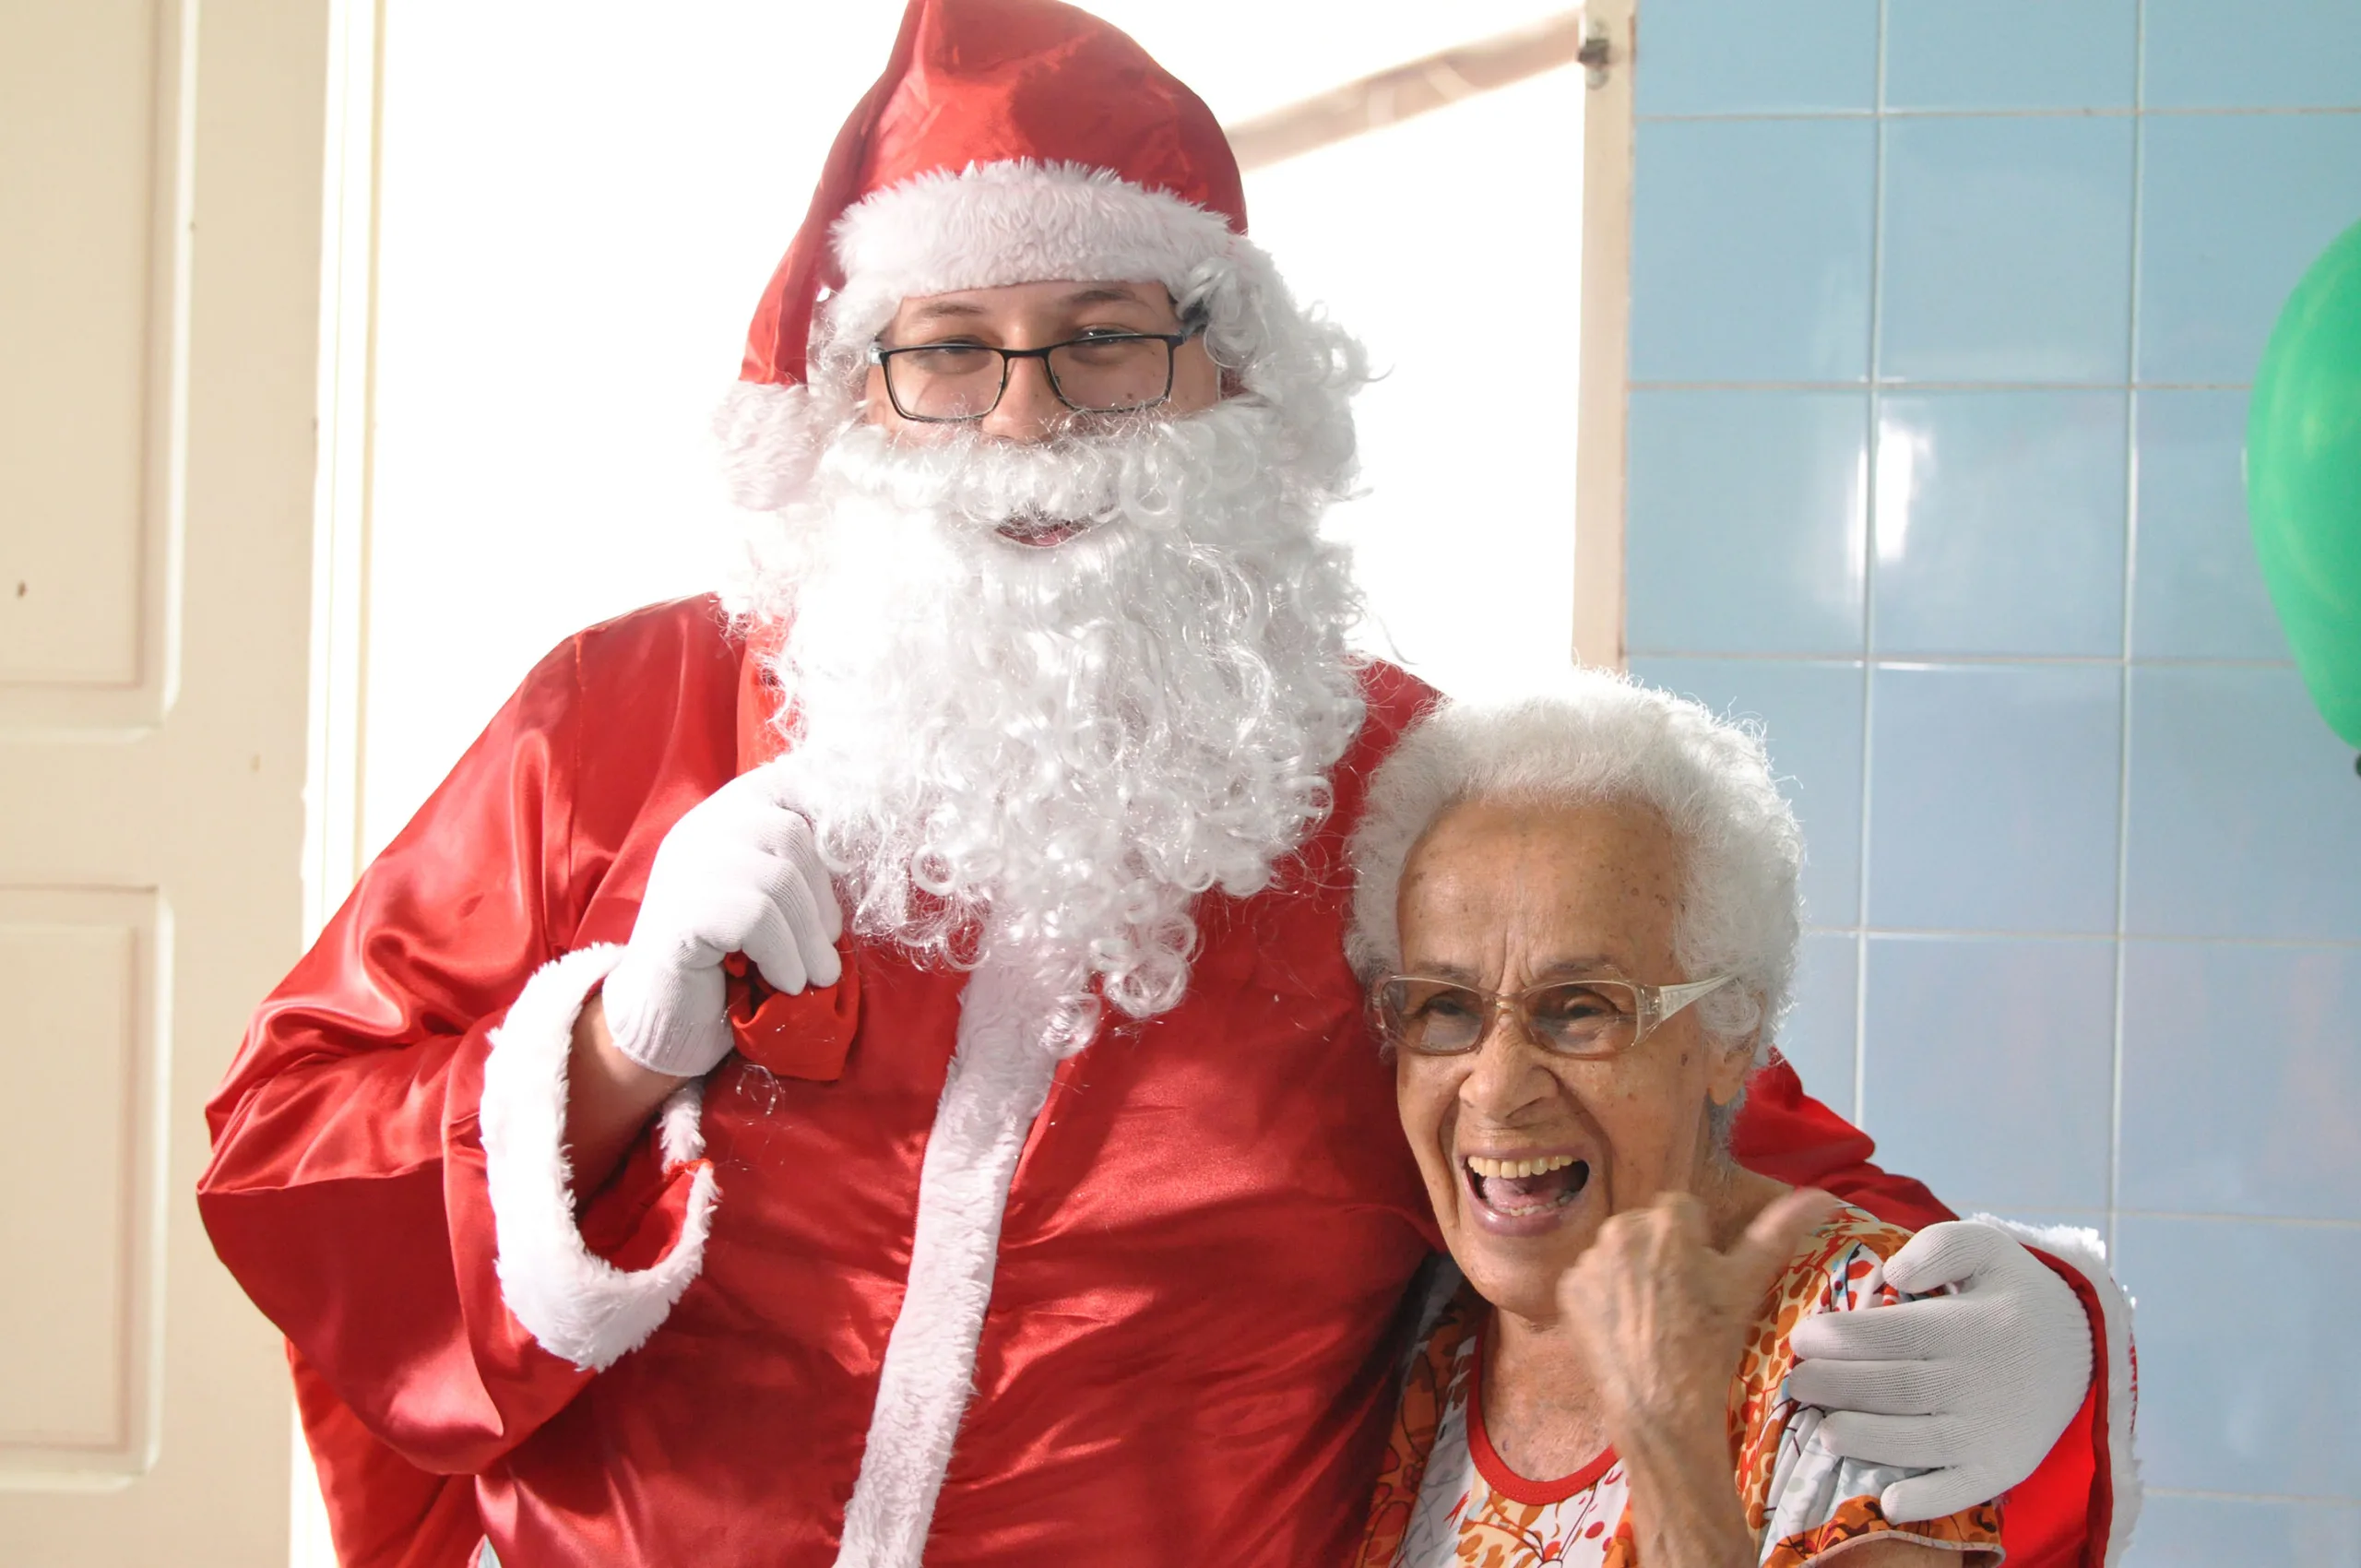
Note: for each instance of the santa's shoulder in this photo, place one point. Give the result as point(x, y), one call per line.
point(1393, 700)
point(1396, 699)
point(647, 682)
point(682, 644)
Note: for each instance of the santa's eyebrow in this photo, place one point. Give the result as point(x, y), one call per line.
point(935, 310)
point(1098, 294)
point(1105, 295)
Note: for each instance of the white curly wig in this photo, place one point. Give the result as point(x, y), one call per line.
point(1600, 737)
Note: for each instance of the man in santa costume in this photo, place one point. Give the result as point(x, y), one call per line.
point(867, 1071)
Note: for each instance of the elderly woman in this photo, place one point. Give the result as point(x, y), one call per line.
point(1578, 920)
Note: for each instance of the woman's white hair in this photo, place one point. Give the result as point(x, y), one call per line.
point(1596, 737)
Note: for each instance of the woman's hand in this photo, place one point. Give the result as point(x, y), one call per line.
point(1660, 1316)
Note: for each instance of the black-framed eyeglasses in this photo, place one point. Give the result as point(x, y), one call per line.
point(1588, 1017)
point(1106, 372)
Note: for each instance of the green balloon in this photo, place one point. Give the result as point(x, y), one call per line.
point(2303, 479)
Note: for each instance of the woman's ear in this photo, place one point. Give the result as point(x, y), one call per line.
point(1732, 1068)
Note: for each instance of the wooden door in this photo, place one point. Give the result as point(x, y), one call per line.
point(160, 171)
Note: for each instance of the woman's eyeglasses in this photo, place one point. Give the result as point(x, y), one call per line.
point(1587, 1017)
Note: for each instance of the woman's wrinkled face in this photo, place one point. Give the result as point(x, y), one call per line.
point(1504, 895)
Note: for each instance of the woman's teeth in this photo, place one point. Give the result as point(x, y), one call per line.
point(1540, 1167)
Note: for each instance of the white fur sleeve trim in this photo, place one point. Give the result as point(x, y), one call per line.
point(2087, 1254)
point(577, 1304)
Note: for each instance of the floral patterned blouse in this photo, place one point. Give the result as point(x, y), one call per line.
point(1446, 1498)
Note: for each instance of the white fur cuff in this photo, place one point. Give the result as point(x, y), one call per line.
point(2087, 1254)
point(578, 1305)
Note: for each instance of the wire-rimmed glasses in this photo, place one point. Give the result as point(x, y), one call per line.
point(1587, 1017)
point(1100, 373)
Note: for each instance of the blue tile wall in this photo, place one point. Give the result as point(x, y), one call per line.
point(2245, 815)
point(1993, 790)
point(2241, 1086)
point(1820, 1030)
point(1939, 401)
point(1990, 1067)
point(2199, 593)
point(2010, 54)
point(1750, 249)
point(2263, 54)
point(2249, 1372)
point(2000, 522)
point(2232, 208)
point(1743, 57)
point(1750, 521)
point(2179, 1531)
point(2008, 248)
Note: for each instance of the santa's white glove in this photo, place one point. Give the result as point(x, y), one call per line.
point(1972, 1387)
point(738, 873)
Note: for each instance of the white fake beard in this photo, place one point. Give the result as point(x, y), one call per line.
point(1054, 750)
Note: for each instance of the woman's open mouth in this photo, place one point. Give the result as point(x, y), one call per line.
point(1521, 1196)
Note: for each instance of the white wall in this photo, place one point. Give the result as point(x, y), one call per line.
point(577, 223)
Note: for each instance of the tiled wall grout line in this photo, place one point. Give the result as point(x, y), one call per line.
point(1868, 527)
point(1954, 661)
point(2325, 1501)
point(2070, 1215)
point(2131, 600)
point(1969, 934)
point(1906, 384)
point(2190, 112)
point(2299, 1222)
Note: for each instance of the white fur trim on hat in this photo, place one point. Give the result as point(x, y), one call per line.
point(1014, 221)
point(771, 439)
point(2084, 1252)
point(574, 1303)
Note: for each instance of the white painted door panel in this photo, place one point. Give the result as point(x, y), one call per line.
point(160, 171)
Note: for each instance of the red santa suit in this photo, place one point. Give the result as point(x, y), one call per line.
point(1156, 1295)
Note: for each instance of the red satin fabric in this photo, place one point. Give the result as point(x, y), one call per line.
point(982, 82)
point(1187, 1357)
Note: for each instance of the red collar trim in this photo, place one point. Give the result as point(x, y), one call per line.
point(1495, 1469)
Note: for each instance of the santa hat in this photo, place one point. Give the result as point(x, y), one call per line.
point(1008, 141)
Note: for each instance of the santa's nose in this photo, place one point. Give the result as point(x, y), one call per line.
point(1028, 408)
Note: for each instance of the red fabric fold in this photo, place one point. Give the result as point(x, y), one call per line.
point(803, 1034)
